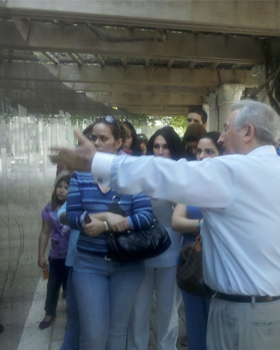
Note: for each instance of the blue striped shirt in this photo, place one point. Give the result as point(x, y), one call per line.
point(85, 195)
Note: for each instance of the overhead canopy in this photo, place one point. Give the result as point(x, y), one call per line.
point(141, 57)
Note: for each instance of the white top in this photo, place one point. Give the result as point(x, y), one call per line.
point(239, 198)
point(163, 210)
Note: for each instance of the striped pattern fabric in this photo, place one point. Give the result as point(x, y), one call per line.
point(85, 195)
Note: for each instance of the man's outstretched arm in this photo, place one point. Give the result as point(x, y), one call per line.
point(77, 158)
point(205, 184)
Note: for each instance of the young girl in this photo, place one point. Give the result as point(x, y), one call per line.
point(59, 233)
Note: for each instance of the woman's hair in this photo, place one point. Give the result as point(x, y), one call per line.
point(173, 141)
point(142, 138)
point(117, 128)
point(214, 136)
point(88, 130)
point(64, 175)
point(194, 133)
point(135, 146)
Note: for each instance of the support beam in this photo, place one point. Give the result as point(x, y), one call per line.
point(147, 63)
point(161, 76)
point(140, 89)
point(192, 65)
point(51, 57)
point(214, 65)
point(100, 60)
point(244, 17)
point(159, 111)
point(42, 101)
point(76, 58)
point(96, 87)
point(145, 100)
point(124, 61)
point(170, 63)
point(10, 56)
point(129, 75)
point(178, 46)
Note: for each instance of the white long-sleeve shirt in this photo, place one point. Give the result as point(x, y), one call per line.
point(239, 198)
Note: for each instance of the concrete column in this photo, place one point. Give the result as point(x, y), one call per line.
point(228, 94)
point(213, 120)
point(259, 73)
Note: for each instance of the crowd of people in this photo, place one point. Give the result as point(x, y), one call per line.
point(221, 195)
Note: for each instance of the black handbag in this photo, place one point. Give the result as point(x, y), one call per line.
point(189, 270)
point(130, 245)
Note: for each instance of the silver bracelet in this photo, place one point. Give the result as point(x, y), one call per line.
point(106, 226)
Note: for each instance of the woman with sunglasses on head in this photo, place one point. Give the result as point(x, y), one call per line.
point(188, 219)
point(160, 272)
point(105, 289)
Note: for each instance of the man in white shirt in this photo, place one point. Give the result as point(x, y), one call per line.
point(238, 196)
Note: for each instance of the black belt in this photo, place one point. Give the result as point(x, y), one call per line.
point(245, 298)
point(100, 254)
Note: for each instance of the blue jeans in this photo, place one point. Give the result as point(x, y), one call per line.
point(196, 312)
point(168, 298)
point(105, 291)
point(72, 330)
point(58, 277)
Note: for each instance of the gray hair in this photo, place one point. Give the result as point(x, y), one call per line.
point(263, 117)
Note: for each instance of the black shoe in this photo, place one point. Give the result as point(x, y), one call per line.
point(1, 328)
point(46, 324)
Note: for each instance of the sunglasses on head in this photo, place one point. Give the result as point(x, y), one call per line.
point(110, 119)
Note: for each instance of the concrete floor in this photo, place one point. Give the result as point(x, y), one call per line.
point(32, 338)
point(23, 194)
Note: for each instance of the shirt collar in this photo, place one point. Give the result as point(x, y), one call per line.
point(266, 149)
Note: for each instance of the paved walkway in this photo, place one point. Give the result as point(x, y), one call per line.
point(33, 338)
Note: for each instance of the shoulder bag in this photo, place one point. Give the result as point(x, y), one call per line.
point(130, 245)
point(189, 269)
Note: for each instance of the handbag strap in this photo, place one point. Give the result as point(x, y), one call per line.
point(117, 198)
point(198, 240)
